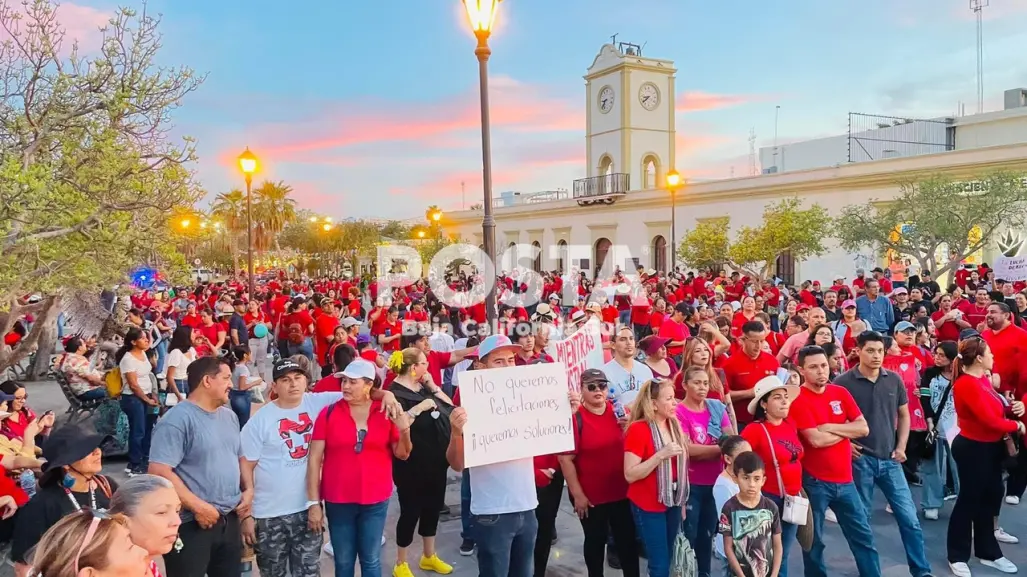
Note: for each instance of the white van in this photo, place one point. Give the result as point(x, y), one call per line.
point(203, 275)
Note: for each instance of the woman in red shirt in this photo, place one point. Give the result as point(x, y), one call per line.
point(776, 440)
point(351, 452)
point(655, 466)
point(595, 478)
point(22, 425)
point(985, 424)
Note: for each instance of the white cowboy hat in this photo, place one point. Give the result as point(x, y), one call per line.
point(765, 386)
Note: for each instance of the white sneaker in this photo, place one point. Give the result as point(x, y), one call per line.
point(1012, 500)
point(931, 514)
point(830, 516)
point(960, 569)
point(383, 540)
point(1002, 537)
point(1002, 564)
point(328, 549)
point(951, 497)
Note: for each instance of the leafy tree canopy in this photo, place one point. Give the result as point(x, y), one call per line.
point(936, 214)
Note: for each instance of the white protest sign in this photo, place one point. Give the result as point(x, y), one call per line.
point(515, 413)
point(580, 351)
point(1012, 269)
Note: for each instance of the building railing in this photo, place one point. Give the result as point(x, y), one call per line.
point(603, 185)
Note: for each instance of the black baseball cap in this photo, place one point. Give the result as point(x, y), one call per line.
point(591, 376)
point(284, 367)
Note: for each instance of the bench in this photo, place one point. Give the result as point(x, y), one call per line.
point(77, 408)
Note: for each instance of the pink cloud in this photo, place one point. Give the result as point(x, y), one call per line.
point(551, 153)
point(693, 141)
point(515, 106)
point(79, 24)
point(698, 101)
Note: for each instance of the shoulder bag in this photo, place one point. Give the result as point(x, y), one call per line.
point(795, 509)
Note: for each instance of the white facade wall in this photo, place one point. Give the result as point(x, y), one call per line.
point(992, 129)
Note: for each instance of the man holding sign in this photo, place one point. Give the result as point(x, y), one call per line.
point(509, 413)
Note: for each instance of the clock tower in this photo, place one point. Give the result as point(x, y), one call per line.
point(630, 115)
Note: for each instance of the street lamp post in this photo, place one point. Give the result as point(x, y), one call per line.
point(674, 183)
point(482, 15)
point(248, 165)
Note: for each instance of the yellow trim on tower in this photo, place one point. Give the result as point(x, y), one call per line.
point(590, 170)
point(671, 162)
point(625, 123)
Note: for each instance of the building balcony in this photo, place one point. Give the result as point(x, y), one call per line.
point(604, 189)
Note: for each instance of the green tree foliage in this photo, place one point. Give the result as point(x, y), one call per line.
point(229, 208)
point(272, 210)
point(936, 214)
point(787, 228)
point(88, 171)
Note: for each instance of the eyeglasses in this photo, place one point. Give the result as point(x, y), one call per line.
point(593, 387)
point(98, 516)
point(361, 435)
point(21, 398)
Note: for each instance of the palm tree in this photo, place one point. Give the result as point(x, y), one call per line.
point(272, 210)
point(230, 208)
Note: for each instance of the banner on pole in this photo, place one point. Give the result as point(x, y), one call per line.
point(515, 413)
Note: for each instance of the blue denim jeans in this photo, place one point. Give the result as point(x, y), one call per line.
point(356, 530)
point(869, 471)
point(701, 525)
point(241, 404)
point(658, 531)
point(183, 386)
point(506, 544)
point(306, 348)
point(94, 395)
point(140, 425)
point(788, 533)
point(162, 355)
point(935, 472)
point(466, 526)
point(844, 500)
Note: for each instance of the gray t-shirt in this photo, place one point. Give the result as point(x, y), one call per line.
point(879, 401)
point(203, 448)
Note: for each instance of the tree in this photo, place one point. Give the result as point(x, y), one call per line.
point(395, 229)
point(272, 210)
point(787, 229)
point(936, 214)
point(229, 208)
point(88, 170)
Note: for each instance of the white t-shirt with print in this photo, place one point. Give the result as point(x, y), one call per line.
point(181, 362)
point(624, 385)
point(279, 441)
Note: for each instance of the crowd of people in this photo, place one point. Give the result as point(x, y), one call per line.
point(741, 414)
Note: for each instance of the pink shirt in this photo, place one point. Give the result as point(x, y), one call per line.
point(696, 425)
point(790, 350)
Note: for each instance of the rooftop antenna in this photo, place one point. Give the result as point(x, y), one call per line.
point(777, 113)
point(752, 151)
point(978, 7)
point(613, 39)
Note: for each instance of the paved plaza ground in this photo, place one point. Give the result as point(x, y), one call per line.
point(566, 556)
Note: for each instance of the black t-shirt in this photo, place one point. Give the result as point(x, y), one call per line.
point(43, 511)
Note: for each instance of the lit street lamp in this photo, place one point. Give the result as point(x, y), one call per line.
point(482, 15)
point(248, 165)
point(674, 182)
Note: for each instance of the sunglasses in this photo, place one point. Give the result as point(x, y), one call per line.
point(361, 435)
point(98, 516)
point(593, 387)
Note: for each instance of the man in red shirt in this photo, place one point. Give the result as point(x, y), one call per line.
point(976, 312)
point(324, 331)
point(1009, 346)
point(674, 328)
point(748, 367)
point(828, 419)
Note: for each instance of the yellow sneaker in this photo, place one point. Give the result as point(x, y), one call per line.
point(403, 570)
point(435, 564)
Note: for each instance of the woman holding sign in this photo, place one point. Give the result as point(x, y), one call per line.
point(420, 479)
point(655, 466)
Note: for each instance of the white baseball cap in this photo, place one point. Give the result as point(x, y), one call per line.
point(359, 369)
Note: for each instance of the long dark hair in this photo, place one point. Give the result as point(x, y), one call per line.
point(131, 337)
point(181, 339)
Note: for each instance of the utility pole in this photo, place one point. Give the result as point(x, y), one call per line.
point(978, 7)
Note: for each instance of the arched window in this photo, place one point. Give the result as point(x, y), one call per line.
point(536, 264)
point(784, 268)
point(561, 255)
point(605, 165)
point(602, 247)
point(659, 249)
point(650, 172)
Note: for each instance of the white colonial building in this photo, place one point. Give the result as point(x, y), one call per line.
point(619, 212)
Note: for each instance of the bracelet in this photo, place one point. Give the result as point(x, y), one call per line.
point(312, 503)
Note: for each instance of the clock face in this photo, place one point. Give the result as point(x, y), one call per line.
point(649, 96)
point(606, 99)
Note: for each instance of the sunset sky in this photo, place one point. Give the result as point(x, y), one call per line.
point(370, 109)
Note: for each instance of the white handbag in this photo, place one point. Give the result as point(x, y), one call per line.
point(796, 508)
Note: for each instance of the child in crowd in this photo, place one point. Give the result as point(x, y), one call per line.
point(726, 485)
point(751, 523)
